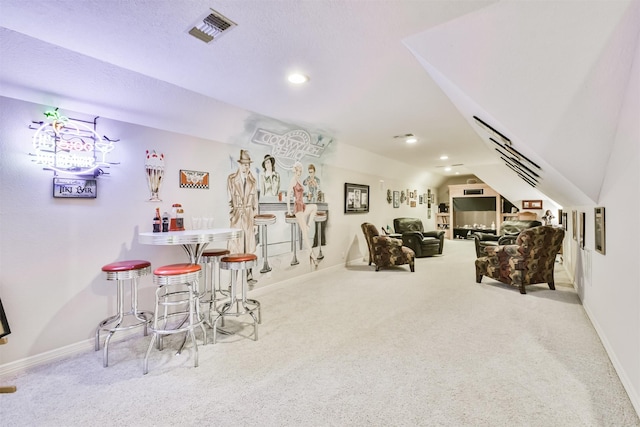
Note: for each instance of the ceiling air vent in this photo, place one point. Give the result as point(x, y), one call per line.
point(212, 27)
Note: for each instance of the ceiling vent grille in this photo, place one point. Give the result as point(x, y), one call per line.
point(213, 26)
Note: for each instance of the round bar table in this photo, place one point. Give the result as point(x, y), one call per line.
point(193, 242)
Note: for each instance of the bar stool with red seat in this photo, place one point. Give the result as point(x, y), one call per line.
point(319, 219)
point(177, 290)
point(291, 219)
point(264, 220)
point(239, 264)
point(121, 321)
point(213, 292)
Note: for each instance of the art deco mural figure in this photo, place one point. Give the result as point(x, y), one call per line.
point(305, 213)
point(313, 184)
point(242, 190)
point(270, 183)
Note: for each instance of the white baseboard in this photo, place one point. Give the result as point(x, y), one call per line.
point(624, 379)
point(88, 345)
point(46, 357)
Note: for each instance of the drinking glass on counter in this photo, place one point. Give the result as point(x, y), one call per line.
point(196, 223)
point(201, 223)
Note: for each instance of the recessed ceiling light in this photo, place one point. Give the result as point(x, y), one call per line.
point(444, 157)
point(298, 78)
point(411, 140)
point(447, 169)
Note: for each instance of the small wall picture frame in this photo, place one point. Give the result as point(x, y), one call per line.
point(356, 198)
point(574, 224)
point(532, 204)
point(599, 226)
point(75, 188)
point(194, 179)
point(396, 199)
point(583, 218)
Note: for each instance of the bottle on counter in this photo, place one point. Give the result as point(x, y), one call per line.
point(165, 222)
point(156, 221)
point(493, 225)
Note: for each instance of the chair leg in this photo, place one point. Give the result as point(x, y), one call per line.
point(478, 278)
point(522, 290)
point(552, 285)
point(412, 267)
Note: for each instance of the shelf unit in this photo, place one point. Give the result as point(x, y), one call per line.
point(443, 222)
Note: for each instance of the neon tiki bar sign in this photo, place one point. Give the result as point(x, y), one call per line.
point(70, 146)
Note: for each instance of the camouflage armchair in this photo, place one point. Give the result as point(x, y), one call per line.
point(529, 261)
point(385, 251)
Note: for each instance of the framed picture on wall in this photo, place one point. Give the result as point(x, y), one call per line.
point(396, 199)
point(583, 218)
point(532, 204)
point(356, 198)
point(565, 221)
point(574, 224)
point(599, 226)
point(4, 324)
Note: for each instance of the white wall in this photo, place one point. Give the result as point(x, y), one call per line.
point(52, 250)
point(609, 285)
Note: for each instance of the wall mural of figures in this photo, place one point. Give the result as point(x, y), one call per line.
point(285, 165)
point(242, 189)
point(270, 178)
point(305, 213)
point(312, 182)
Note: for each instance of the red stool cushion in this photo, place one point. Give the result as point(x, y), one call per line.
point(216, 252)
point(175, 269)
point(239, 258)
point(135, 264)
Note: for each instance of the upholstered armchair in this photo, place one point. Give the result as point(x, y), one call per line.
point(423, 243)
point(386, 251)
point(529, 261)
point(508, 234)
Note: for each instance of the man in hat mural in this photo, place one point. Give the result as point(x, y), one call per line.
point(243, 201)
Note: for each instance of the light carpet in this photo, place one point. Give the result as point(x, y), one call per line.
point(356, 347)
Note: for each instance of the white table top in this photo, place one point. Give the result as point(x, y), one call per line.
point(189, 237)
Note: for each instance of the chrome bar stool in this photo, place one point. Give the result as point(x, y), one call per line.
point(291, 219)
point(319, 219)
point(239, 264)
point(264, 220)
point(177, 290)
point(213, 292)
point(121, 321)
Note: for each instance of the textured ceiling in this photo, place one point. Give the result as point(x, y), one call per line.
point(377, 68)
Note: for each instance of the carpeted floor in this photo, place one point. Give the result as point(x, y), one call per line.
point(355, 347)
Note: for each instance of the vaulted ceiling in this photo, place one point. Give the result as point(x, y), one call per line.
point(547, 76)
